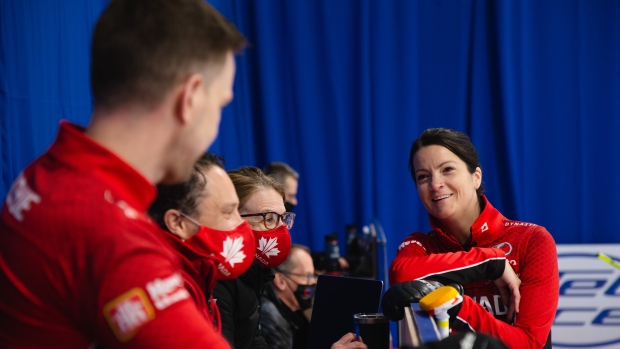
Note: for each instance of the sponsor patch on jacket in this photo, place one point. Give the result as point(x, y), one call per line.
point(167, 291)
point(127, 313)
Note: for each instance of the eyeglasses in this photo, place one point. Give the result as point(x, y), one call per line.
point(271, 219)
point(311, 278)
point(189, 219)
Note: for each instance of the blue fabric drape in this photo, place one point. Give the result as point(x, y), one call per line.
point(340, 89)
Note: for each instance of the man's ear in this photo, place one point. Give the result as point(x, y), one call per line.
point(279, 282)
point(188, 95)
point(176, 224)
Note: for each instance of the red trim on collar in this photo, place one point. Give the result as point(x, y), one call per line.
point(487, 224)
point(200, 268)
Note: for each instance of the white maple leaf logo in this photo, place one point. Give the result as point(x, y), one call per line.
point(268, 247)
point(232, 250)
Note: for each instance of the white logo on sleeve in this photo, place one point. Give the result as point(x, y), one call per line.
point(232, 251)
point(129, 211)
point(268, 248)
point(165, 292)
point(20, 197)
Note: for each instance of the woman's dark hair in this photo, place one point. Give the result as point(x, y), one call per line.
point(455, 141)
point(184, 196)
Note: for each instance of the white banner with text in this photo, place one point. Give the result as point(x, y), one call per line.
point(588, 314)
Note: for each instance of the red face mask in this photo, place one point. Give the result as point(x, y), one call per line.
point(272, 246)
point(230, 250)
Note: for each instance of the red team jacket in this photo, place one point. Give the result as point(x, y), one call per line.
point(529, 248)
point(80, 263)
point(199, 274)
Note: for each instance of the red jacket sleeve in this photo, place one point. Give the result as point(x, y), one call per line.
point(539, 298)
point(165, 331)
point(142, 297)
point(415, 261)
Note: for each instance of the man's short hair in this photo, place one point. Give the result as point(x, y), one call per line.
point(279, 171)
point(288, 264)
point(184, 196)
point(141, 49)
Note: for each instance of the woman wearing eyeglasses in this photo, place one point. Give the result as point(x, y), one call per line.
point(261, 204)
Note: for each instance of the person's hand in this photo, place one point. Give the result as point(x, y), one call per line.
point(399, 296)
point(344, 265)
point(348, 342)
point(508, 286)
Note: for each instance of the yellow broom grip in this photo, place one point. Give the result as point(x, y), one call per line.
point(438, 297)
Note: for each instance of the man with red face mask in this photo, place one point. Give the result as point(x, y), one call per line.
point(203, 224)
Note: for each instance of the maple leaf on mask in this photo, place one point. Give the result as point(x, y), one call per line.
point(232, 250)
point(268, 247)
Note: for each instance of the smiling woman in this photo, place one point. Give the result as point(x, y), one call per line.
point(447, 189)
point(474, 245)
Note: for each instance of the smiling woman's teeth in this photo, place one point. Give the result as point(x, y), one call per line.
point(441, 198)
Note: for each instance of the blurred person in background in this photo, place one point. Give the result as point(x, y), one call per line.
point(284, 303)
point(288, 178)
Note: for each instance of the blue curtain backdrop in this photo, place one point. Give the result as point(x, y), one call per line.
point(340, 89)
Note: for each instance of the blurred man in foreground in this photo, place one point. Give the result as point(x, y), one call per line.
point(80, 264)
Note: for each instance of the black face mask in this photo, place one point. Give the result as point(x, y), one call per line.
point(288, 206)
point(304, 295)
